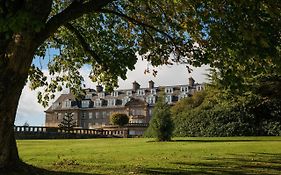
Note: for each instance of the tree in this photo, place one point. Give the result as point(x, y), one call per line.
point(119, 119)
point(107, 34)
point(104, 34)
point(67, 122)
point(161, 124)
point(243, 41)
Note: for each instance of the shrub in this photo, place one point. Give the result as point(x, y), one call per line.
point(119, 119)
point(221, 114)
point(161, 125)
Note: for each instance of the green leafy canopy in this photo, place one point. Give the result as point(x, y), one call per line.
point(109, 39)
point(239, 38)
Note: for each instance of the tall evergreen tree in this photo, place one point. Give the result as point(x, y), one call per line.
point(67, 122)
point(161, 125)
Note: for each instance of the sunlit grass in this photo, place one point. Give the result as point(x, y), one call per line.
point(229, 155)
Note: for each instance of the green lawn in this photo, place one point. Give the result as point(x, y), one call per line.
point(230, 155)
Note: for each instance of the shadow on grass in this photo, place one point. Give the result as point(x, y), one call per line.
point(254, 163)
point(25, 169)
point(234, 140)
point(221, 139)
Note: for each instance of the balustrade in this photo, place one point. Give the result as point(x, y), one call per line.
point(41, 129)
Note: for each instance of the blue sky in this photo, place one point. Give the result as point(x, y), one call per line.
point(33, 113)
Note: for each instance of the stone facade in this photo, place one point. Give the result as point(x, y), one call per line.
point(94, 110)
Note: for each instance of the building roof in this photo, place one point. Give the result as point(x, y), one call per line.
point(119, 98)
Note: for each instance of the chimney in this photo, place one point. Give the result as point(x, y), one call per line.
point(150, 84)
point(191, 82)
point(99, 88)
point(136, 86)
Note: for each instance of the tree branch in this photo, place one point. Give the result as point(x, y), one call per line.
point(86, 47)
point(75, 10)
point(137, 22)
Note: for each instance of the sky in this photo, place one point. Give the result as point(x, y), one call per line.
point(30, 111)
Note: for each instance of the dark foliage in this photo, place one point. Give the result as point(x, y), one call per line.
point(161, 125)
point(67, 122)
point(221, 114)
point(119, 119)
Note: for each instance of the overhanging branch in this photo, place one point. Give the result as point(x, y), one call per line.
point(75, 10)
point(86, 47)
point(144, 25)
point(137, 22)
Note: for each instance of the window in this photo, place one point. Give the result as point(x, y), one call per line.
point(98, 103)
point(129, 93)
point(137, 112)
point(169, 90)
point(111, 102)
point(101, 95)
point(59, 117)
point(115, 94)
point(83, 115)
point(199, 88)
point(184, 89)
point(141, 92)
point(104, 114)
point(168, 99)
point(97, 115)
point(90, 115)
point(66, 104)
point(153, 91)
point(150, 99)
point(150, 112)
point(85, 103)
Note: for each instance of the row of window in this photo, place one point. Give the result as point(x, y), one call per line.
point(112, 102)
point(141, 92)
point(94, 115)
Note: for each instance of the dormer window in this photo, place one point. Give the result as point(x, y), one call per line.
point(101, 95)
point(153, 91)
point(66, 103)
point(111, 102)
point(115, 94)
point(141, 92)
point(199, 88)
point(129, 93)
point(85, 103)
point(184, 89)
point(169, 90)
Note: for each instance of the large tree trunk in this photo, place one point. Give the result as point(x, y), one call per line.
point(14, 66)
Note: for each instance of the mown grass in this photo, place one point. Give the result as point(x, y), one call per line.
point(229, 155)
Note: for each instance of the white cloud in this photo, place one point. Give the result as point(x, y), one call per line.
point(29, 110)
point(33, 113)
point(167, 75)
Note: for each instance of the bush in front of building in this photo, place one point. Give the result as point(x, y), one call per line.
point(119, 119)
point(161, 125)
point(220, 114)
